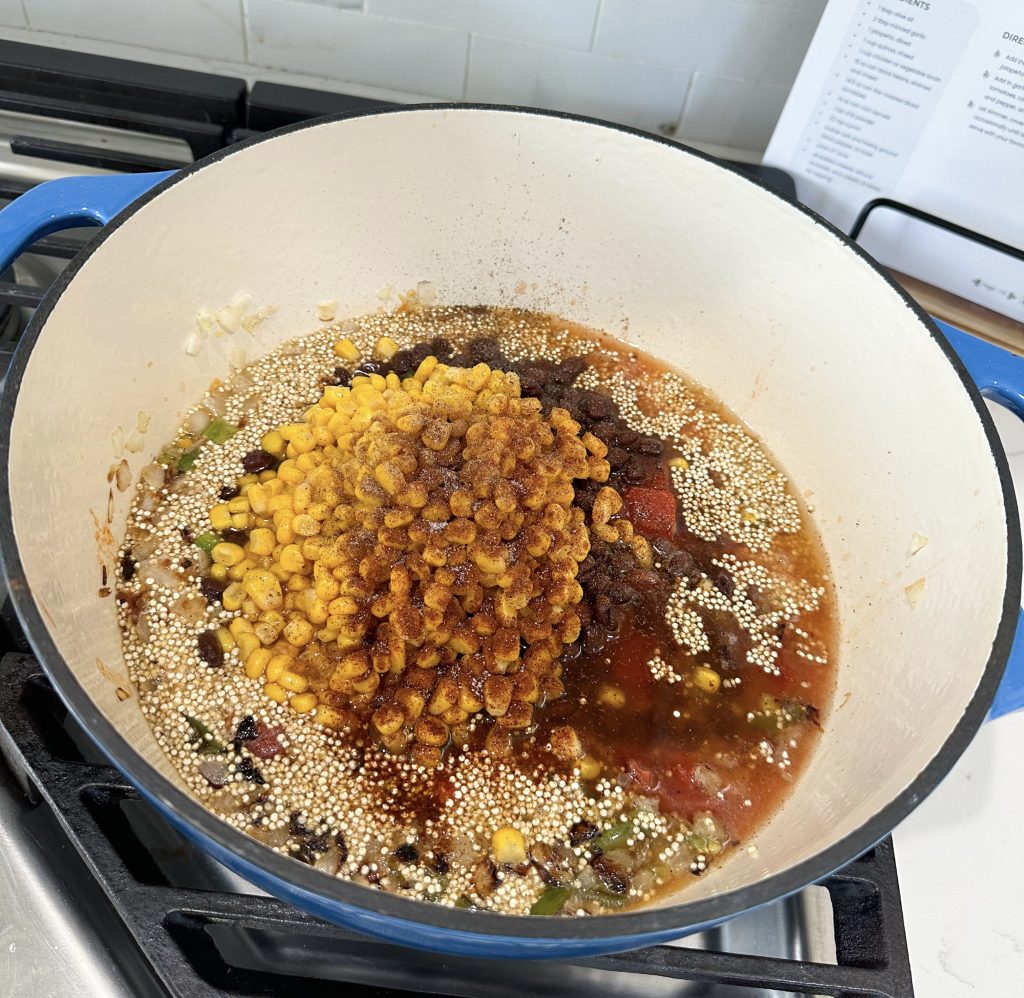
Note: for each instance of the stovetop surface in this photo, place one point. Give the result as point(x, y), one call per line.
point(98, 895)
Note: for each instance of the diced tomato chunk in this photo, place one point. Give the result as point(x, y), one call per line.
point(672, 781)
point(267, 742)
point(651, 511)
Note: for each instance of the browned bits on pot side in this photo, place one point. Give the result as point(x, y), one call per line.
point(414, 557)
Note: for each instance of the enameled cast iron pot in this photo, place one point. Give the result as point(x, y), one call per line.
point(855, 390)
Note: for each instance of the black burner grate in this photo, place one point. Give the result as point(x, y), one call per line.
point(200, 941)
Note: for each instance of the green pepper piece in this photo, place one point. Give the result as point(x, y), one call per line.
point(207, 541)
point(551, 901)
point(605, 898)
point(614, 837)
point(188, 459)
point(218, 430)
point(170, 457)
point(200, 730)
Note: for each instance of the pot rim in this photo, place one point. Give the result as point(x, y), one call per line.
point(301, 881)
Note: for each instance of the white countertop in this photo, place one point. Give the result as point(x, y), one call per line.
point(960, 855)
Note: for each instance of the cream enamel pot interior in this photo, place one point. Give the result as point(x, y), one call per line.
point(859, 396)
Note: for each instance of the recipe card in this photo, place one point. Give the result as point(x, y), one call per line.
point(921, 101)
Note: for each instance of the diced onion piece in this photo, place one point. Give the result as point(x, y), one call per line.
point(326, 310)
point(134, 443)
point(230, 319)
point(197, 421)
point(149, 503)
point(161, 576)
point(386, 292)
point(123, 476)
point(917, 542)
point(426, 292)
point(142, 549)
point(242, 302)
point(153, 475)
point(205, 321)
point(237, 358)
point(142, 628)
point(914, 593)
point(142, 421)
point(117, 441)
point(193, 343)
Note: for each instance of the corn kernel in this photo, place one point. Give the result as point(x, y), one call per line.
point(262, 541)
point(256, 662)
point(239, 626)
point(303, 703)
point(590, 768)
point(278, 665)
point(224, 639)
point(706, 679)
point(509, 846)
point(275, 692)
point(220, 517)
point(247, 644)
point(263, 587)
point(293, 682)
point(611, 696)
point(346, 350)
point(233, 597)
point(219, 572)
point(385, 348)
point(298, 632)
point(228, 554)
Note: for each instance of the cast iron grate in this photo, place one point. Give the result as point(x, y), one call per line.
point(200, 942)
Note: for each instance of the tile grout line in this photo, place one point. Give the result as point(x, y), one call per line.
point(593, 30)
point(465, 69)
point(243, 10)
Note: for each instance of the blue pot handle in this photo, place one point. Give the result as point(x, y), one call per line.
point(65, 204)
point(999, 376)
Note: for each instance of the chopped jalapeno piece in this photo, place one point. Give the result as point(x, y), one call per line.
point(218, 430)
point(551, 902)
point(207, 542)
point(614, 837)
point(207, 746)
point(187, 459)
point(605, 898)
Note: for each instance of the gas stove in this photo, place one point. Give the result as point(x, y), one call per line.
point(98, 895)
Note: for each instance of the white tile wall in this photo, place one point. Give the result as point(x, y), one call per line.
point(739, 39)
point(566, 23)
point(350, 45)
point(211, 28)
point(12, 14)
point(633, 93)
point(731, 112)
point(708, 71)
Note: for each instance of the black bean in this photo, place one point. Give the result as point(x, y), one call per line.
point(441, 864)
point(571, 652)
point(582, 831)
point(296, 825)
point(407, 853)
point(598, 585)
point(246, 730)
point(440, 347)
point(599, 406)
point(342, 846)
point(616, 457)
point(418, 354)
point(625, 437)
point(258, 460)
point(249, 771)
point(637, 470)
point(611, 875)
point(210, 650)
point(603, 609)
point(188, 535)
point(368, 367)
point(484, 350)
point(342, 377)
point(621, 595)
point(642, 579)
point(212, 589)
point(723, 583)
point(305, 853)
point(232, 536)
point(650, 445)
point(227, 493)
point(573, 367)
point(128, 564)
point(678, 564)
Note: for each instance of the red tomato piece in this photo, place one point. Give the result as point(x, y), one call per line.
point(267, 742)
point(651, 511)
point(672, 781)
